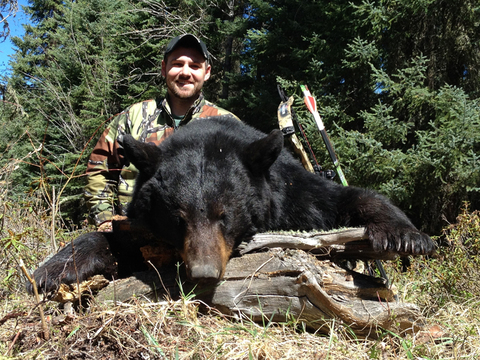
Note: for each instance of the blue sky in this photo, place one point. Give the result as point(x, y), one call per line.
point(16, 29)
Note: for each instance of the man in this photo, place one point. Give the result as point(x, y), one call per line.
point(110, 181)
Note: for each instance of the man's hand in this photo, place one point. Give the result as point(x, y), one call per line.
point(105, 226)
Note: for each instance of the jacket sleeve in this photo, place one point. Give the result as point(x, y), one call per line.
point(103, 169)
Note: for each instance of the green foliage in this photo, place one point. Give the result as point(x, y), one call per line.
point(419, 146)
point(445, 32)
point(456, 268)
point(453, 274)
point(26, 233)
point(19, 234)
point(396, 83)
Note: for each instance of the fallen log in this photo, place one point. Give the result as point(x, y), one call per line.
point(348, 243)
point(270, 282)
point(293, 283)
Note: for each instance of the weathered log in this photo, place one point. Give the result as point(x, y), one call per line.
point(349, 243)
point(289, 284)
point(302, 240)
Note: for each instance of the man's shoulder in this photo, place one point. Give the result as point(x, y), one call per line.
point(145, 104)
point(209, 104)
point(210, 109)
point(139, 110)
point(134, 115)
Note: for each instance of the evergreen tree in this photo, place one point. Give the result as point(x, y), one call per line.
point(8, 8)
point(418, 142)
point(76, 66)
point(380, 70)
point(396, 82)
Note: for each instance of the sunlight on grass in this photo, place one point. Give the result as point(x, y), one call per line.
point(446, 287)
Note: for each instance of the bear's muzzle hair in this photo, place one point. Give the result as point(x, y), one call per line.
point(205, 252)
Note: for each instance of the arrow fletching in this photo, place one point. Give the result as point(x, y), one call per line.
point(311, 104)
point(309, 99)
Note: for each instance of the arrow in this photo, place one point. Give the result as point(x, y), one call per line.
point(312, 107)
point(311, 104)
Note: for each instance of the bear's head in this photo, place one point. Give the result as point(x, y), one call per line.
point(204, 189)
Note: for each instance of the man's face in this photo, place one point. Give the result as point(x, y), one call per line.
point(185, 72)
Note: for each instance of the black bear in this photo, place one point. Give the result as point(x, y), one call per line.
point(215, 183)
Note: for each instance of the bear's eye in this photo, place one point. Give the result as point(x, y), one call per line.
point(176, 229)
point(222, 218)
point(182, 225)
point(181, 214)
point(178, 218)
point(216, 213)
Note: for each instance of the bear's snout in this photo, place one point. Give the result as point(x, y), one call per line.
point(205, 252)
point(204, 272)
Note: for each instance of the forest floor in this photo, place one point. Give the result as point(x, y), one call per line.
point(446, 288)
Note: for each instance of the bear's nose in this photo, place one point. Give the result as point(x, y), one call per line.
point(204, 272)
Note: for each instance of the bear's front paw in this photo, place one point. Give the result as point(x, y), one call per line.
point(90, 255)
point(403, 240)
point(47, 279)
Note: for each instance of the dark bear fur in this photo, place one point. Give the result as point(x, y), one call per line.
point(217, 182)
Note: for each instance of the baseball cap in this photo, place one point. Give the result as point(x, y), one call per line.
point(188, 41)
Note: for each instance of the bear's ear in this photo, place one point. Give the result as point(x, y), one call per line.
point(261, 154)
point(145, 157)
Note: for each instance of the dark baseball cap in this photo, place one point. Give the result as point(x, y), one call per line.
point(187, 41)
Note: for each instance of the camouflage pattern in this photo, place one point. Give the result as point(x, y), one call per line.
point(110, 180)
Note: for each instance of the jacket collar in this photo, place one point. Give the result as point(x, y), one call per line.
point(195, 108)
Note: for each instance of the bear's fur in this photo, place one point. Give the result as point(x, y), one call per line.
point(216, 182)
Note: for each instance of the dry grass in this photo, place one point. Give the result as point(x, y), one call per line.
point(176, 330)
point(179, 330)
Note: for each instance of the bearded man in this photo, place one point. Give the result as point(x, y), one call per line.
point(185, 67)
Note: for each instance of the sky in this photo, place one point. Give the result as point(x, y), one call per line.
point(16, 29)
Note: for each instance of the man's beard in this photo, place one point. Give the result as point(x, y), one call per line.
point(183, 95)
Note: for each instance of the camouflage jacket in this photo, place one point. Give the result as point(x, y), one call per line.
point(110, 180)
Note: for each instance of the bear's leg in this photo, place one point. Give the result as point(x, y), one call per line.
point(91, 255)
